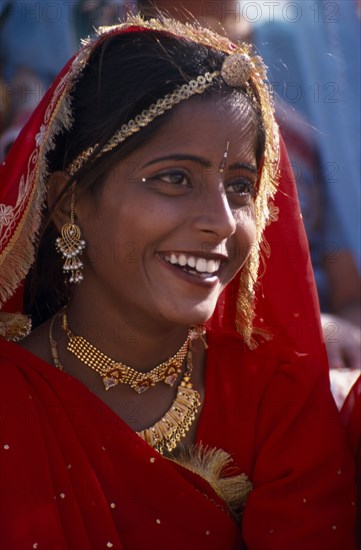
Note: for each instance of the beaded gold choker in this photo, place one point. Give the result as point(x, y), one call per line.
point(114, 372)
point(165, 434)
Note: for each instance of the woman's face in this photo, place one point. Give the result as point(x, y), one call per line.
point(169, 229)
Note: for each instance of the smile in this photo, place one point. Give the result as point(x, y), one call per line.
point(193, 264)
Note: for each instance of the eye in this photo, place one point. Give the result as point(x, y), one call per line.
point(242, 187)
point(170, 182)
point(175, 177)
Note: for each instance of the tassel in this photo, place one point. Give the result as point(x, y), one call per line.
point(215, 466)
point(14, 326)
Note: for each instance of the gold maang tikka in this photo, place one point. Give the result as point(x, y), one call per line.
point(222, 166)
point(71, 246)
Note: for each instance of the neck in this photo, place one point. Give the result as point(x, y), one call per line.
point(140, 343)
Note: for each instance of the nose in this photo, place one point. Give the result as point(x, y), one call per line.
point(213, 215)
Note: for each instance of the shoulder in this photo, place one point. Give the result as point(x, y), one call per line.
point(19, 364)
point(268, 359)
point(38, 343)
point(270, 372)
point(12, 353)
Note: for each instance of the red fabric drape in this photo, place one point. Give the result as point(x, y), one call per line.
point(351, 414)
point(75, 476)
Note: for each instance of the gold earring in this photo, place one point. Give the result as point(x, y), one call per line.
point(70, 245)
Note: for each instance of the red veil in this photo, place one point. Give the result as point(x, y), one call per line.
point(78, 477)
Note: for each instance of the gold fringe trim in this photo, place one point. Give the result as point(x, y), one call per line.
point(215, 466)
point(19, 254)
point(14, 326)
point(191, 31)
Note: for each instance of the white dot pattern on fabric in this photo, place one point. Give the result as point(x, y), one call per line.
point(112, 505)
point(158, 521)
point(35, 545)
point(152, 460)
point(208, 532)
point(6, 447)
point(109, 545)
point(334, 527)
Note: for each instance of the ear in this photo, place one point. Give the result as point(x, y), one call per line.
point(59, 198)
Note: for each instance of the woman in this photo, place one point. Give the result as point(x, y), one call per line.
point(156, 158)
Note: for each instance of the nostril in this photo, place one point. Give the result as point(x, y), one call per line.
point(216, 217)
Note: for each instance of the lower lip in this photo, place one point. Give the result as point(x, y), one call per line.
point(209, 282)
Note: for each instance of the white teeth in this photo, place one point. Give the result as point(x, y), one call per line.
point(201, 265)
point(192, 261)
point(182, 260)
point(211, 266)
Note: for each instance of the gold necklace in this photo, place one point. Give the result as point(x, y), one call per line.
point(114, 372)
point(174, 425)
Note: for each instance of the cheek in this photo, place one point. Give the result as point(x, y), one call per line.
point(246, 231)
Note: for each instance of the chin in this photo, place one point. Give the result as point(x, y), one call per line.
point(195, 315)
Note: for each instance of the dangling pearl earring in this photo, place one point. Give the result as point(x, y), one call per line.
point(71, 246)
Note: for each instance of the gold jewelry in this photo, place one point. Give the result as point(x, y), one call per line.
point(174, 425)
point(236, 70)
point(164, 104)
point(54, 346)
point(71, 246)
point(114, 372)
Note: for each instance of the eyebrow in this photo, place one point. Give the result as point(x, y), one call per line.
point(203, 162)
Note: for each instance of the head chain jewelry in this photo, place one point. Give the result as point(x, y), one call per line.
point(236, 71)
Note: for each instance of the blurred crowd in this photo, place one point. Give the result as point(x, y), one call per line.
point(312, 50)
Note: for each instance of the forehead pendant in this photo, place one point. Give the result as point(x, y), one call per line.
point(236, 69)
point(224, 159)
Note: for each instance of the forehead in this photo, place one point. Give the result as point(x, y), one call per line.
point(205, 125)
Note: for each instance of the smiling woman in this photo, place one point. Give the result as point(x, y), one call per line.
point(175, 373)
point(176, 208)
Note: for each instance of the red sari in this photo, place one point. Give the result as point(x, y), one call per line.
point(74, 475)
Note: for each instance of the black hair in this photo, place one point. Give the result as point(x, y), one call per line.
point(125, 74)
